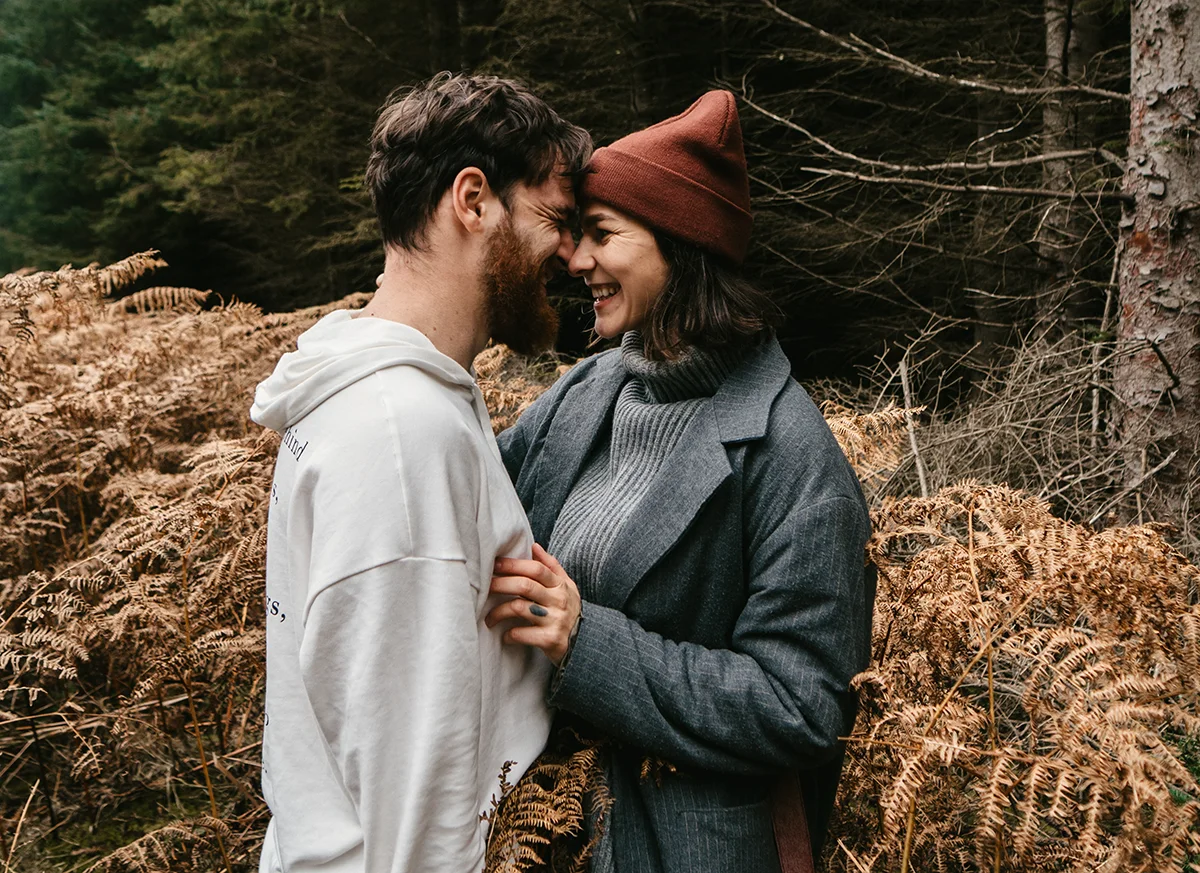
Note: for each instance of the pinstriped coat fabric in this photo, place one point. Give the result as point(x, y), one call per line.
point(730, 616)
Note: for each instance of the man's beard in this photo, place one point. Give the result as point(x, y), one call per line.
point(519, 315)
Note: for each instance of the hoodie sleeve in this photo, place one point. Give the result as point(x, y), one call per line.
point(390, 662)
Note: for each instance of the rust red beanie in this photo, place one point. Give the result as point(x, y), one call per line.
point(685, 176)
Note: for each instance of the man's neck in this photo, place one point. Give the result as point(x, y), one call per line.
point(442, 301)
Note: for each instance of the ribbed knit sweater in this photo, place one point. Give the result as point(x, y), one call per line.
point(652, 411)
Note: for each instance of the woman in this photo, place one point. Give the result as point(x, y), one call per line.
point(710, 606)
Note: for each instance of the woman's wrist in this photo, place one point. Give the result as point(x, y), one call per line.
point(561, 666)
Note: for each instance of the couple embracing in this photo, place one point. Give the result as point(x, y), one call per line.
point(666, 549)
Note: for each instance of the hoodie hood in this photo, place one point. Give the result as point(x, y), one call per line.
point(338, 351)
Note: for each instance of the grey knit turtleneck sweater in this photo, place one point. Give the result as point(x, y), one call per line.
point(651, 413)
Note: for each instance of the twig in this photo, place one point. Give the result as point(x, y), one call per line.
point(1105, 321)
point(346, 21)
point(857, 863)
point(1163, 360)
point(912, 428)
point(963, 188)
point(41, 762)
point(864, 49)
point(227, 756)
point(1133, 486)
point(966, 166)
point(20, 822)
point(92, 721)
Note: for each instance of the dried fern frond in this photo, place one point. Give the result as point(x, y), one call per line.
point(1033, 685)
point(1026, 672)
point(511, 382)
point(552, 819)
point(53, 298)
point(122, 273)
point(873, 442)
point(171, 847)
point(160, 298)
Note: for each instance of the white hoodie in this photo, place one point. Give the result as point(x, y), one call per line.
point(391, 707)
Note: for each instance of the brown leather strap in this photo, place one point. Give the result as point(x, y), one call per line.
point(791, 826)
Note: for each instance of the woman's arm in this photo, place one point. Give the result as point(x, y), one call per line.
point(778, 696)
point(514, 442)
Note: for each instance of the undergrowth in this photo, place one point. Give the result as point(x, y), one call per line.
point(1033, 702)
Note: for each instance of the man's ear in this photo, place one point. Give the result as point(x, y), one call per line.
point(474, 202)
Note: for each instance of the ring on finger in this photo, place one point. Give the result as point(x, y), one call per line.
point(538, 610)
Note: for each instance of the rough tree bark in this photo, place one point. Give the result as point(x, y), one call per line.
point(1157, 376)
point(1072, 39)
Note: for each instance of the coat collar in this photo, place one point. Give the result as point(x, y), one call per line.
point(698, 465)
point(743, 404)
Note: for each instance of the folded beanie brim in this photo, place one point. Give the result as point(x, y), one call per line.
point(659, 196)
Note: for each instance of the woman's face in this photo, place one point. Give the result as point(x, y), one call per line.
point(620, 260)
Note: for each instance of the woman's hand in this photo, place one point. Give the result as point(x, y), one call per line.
point(544, 596)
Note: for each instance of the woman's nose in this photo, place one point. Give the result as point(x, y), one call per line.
point(581, 261)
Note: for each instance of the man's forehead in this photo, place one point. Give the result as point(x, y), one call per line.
point(555, 194)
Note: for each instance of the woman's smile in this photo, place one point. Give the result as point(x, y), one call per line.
point(602, 294)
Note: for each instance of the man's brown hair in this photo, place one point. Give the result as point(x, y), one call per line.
point(426, 134)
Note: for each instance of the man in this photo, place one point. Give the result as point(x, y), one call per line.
point(391, 708)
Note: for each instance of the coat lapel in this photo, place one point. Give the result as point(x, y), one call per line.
point(690, 474)
point(582, 418)
point(696, 467)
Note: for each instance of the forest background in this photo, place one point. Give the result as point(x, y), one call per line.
point(934, 181)
point(983, 212)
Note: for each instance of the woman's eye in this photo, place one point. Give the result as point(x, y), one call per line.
point(600, 233)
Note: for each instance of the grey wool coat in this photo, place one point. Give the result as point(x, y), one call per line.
point(733, 611)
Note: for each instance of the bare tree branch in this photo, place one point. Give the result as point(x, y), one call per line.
point(346, 21)
point(864, 49)
point(880, 236)
point(963, 188)
point(965, 166)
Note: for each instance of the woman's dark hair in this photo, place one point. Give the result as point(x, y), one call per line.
point(705, 304)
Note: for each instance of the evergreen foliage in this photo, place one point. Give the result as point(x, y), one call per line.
point(232, 135)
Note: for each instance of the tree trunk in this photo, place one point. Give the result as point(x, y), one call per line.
point(1072, 38)
point(994, 316)
point(1157, 376)
point(476, 18)
point(639, 72)
point(445, 47)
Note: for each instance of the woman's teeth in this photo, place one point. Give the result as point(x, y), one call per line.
point(603, 292)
